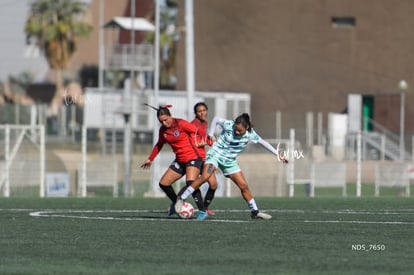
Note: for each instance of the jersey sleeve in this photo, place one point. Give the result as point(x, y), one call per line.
point(217, 121)
point(268, 146)
point(157, 148)
point(191, 129)
point(187, 127)
point(254, 137)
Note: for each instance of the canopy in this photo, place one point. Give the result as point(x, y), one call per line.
point(128, 23)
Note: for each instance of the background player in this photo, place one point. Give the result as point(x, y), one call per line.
point(200, 121)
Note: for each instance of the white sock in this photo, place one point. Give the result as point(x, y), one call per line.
point(252, 205)
point(187, 192)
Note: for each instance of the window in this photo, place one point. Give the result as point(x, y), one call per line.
point(343, 21)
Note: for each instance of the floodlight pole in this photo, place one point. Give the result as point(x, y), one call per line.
point(403, 87)
point(128, 88)
point(101, 72)
point(189, 49)
point(157, 59)
point(127, 137)
point(154, 189)
point(291, 167)
point(358, 164)
point(101, 45)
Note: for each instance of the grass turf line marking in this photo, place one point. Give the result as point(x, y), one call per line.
point(64, 213)
point(361, 222)
point(53, 214)
point(339, 211)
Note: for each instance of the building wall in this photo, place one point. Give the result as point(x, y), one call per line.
point(88, 49)
point(291, 58)
point(88, 53)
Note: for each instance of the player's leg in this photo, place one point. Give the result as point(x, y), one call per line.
point(170, 176)
point(208, 170)
point(212, 187)
point(197, 196)
point(173, 173)
point(240, 181)
point(192, 173)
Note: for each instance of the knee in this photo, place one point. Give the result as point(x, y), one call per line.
point(244, 187)
point(213, 185)
point(162, 185)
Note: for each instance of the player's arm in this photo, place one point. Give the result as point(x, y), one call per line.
point(191, 129)
point(157, 148)
point(270, 148)
point(217, 121)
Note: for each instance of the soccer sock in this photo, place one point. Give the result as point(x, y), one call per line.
point(169, 191)
point(187, 192)
point(198, 199)
point(181, 191)
point(252, 205)
point(209, 197)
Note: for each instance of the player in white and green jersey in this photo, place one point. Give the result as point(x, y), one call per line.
point(228, 146)
point(232, 141)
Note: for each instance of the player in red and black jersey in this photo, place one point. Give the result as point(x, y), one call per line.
point(178, 134)
point(200, 121)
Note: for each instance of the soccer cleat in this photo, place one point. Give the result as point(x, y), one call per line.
point(178, 205)
point(256, 215)
point(202, 215)
point(210, 212)
point(171, 210)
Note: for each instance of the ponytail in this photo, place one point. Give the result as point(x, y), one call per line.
point(161, 110)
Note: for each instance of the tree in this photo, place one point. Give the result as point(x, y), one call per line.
point(57, 25)
point(168, 43)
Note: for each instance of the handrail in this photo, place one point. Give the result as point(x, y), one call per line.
point(380, 128)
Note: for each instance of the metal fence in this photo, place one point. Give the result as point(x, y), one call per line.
point(313, 137)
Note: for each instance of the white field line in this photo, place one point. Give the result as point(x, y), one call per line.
point(69, 214)
point(339, 211)
point(362, 222)
point(76, 214)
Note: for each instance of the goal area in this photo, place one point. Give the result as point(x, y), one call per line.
point(22, 162)
point(392, 175)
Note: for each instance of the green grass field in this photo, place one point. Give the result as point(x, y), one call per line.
point(134, 236)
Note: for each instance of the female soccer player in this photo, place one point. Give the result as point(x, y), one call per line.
point(200, 121)
point(231, 143)
point(177, 133)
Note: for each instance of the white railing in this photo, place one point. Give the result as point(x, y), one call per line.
point(123, 56)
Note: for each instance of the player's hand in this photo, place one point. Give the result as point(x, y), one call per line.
point(283, 159)
point(205, 141)
point(146, 164)
point(201, 143)
point(210, 140)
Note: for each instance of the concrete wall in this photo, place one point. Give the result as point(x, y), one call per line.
point(291, 57)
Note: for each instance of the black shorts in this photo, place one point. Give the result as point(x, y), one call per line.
point(180, 167)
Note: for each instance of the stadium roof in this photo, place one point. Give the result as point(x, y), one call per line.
point(128, 23)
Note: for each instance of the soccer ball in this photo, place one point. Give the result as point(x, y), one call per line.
point(187, 211)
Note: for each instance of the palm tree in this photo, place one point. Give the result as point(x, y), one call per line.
point(57, 26)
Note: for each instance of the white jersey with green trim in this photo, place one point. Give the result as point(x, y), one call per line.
point(228, 146)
